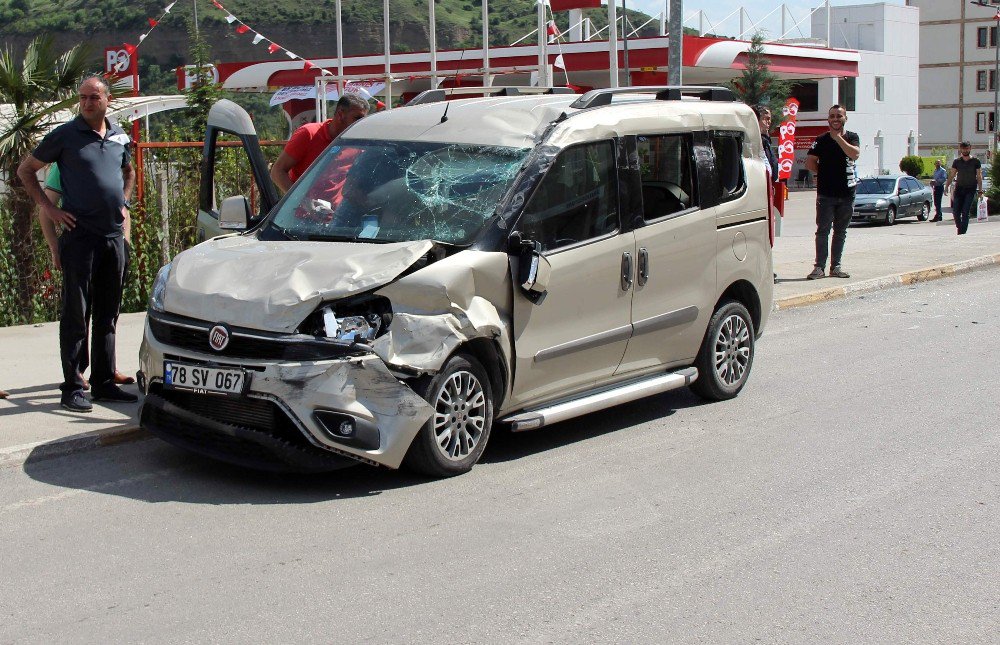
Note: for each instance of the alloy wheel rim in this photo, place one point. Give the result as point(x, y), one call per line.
point(459, 415)
point(732, 350)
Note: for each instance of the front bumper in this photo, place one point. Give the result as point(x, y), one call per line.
point(288, 417)
point(869, 215)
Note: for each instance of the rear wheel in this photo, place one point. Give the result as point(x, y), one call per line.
point(453, 439)
point(726, 354)
point(925, 212)
point(890, 216)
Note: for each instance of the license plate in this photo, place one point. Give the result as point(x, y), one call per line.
point(206, 380)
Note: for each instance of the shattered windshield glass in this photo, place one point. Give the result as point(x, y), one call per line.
point(397, 191)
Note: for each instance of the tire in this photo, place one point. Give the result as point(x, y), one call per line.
point(726, 353)
point(890, 216)
point(453, 439)
point(925, 212)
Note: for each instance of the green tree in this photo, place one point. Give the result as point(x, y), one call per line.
point(757, 85)
point(36, 87)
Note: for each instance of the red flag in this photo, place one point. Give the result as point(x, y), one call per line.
point(217, 5)
point(308, 65)
point(566, 5)
point(551, 29)
point(242, 29)
point(153, 22)
point(273, 47)
point(129, 48)
point(379, 105)
point(997, 17)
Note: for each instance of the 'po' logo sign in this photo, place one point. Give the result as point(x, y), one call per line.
point(787, 148)
point(785, 166)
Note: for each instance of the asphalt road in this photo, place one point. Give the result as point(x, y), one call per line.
point(850, 494)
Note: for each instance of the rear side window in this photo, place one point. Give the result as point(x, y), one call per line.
point(577, 200)
point(667, 174)
point(913, 184)
point(728, 148)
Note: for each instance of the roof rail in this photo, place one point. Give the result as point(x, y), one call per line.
point(596, 98)
point(436, 96)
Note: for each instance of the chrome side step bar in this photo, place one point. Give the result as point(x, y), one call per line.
point(631, 391)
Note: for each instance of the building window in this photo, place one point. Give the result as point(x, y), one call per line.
point(980, 122)
point(807, 92)
point(879, 88)
point(981, 80)
point(982, 75)
point(847, 91)
point(981, 37)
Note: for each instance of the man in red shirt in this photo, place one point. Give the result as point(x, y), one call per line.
point(311, 139)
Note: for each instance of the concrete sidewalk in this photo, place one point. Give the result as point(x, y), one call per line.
point(32, 423)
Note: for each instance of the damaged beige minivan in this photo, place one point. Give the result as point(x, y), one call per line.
point(518, 258)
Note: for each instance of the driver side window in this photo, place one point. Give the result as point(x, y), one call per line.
point(577, 200)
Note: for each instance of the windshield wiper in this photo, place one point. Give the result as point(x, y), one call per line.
point(286, 232)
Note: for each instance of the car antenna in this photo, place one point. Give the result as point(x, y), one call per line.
point(447, 103)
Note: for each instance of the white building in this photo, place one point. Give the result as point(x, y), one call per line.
point(882, 100)
point(958, 47)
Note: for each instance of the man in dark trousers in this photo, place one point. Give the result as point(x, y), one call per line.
point(938, 180)
point(967, 174)
point(97, 176)
point(832, 158)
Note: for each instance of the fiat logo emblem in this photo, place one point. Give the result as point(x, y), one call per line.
point(218, 337)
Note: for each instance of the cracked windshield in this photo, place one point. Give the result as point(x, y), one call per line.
point(396, 191)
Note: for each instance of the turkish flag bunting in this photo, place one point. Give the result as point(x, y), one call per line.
point(129, 48)
point(551, 29)
point(566, 5)
point(308, 65)
point(242, 29)
point(217, 5)
point(153, 22)
point(273, 47)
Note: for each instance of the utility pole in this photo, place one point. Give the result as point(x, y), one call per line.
point(675, 43)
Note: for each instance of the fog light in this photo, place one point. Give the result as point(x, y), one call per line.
point(346, 428)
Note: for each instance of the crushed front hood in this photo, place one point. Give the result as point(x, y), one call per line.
point(273, 286)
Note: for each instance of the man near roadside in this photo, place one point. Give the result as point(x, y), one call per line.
point(938, 180)
point(832, 158)
point(97, 178)
point(53, 190)
point(763, 114)
point(311, 139)
point(966, 175)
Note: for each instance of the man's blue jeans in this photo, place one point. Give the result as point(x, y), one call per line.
point(832, 212)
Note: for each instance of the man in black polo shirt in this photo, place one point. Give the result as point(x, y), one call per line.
point(97, 176)
point(832, 157)
point(967, 174)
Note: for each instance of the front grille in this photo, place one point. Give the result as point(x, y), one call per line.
point(192, 335)
point(259, 414)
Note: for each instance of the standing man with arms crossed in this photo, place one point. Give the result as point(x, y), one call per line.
point(97, 177)
point(311, 139)
point(832, 158)
point(939, 179)
point(967, 174)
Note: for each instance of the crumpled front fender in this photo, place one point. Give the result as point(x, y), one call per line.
point(439, 308)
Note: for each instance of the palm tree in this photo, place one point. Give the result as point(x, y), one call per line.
point(35, 88)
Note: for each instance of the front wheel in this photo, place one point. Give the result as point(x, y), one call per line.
point(726, 354)
point(453, 439)
point(925, 212)
point(890, 216)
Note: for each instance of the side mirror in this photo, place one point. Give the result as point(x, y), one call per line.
point(534, 269)
point(234, 214)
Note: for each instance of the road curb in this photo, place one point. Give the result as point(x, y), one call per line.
point(16, 455)
point(877, 284)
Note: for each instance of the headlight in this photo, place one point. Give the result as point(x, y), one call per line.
point(351, 328)
point(881, 203)
point(159, 288)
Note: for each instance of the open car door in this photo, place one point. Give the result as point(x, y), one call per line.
point(228, 118)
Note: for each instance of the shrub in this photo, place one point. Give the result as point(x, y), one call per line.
point(912, 165)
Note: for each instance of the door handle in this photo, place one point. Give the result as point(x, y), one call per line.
point(626, 271)
point(643, 266)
